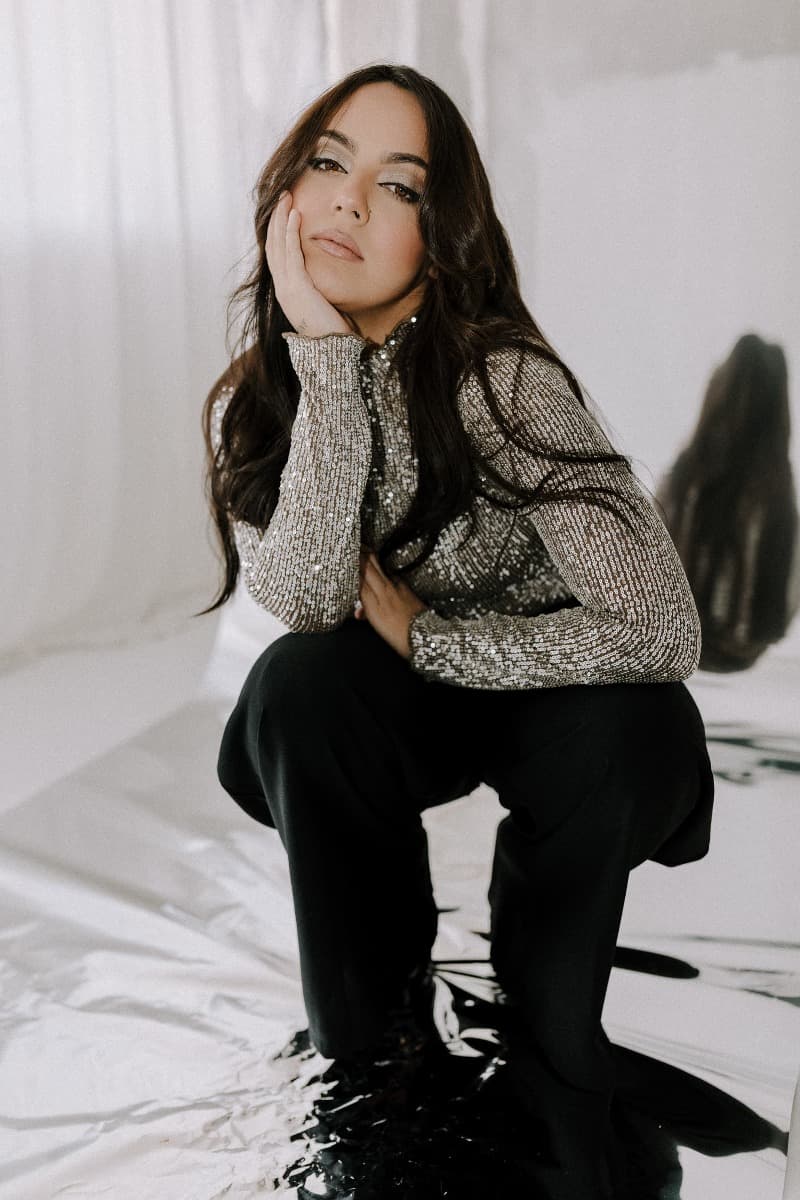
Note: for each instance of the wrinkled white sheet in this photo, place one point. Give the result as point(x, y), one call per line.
point(149, 967)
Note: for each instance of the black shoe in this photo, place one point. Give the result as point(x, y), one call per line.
point(384, 1080)
point(360, 1129)
point(376, 1081)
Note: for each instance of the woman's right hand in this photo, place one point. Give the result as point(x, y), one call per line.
point(305, 307)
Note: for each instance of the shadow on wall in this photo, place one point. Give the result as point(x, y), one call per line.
point(729, 504)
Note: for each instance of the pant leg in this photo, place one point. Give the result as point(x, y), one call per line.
point(339, 745)
point(595, 779)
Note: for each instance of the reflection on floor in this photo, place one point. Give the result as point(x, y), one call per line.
point(466, 1135)
point(153, 1017)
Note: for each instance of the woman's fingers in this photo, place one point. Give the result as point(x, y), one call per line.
point(369, 562)
point(363, 568)
point(373, 579)
point(276, 240)
point(367, 571)
point(295, 262)
point(304, 306)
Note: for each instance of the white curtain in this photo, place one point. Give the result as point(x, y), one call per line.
point(132, 133)
point(644, 160)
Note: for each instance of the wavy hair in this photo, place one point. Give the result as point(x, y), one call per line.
point(471, 307)
point(729, 503)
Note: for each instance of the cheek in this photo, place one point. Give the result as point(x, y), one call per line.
point(303, 200)
point(405, 250)
point(300, 195)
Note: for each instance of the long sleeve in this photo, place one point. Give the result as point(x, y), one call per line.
point(304, 569)
point(635, 619)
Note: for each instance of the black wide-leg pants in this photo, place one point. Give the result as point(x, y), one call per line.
point(337, 744)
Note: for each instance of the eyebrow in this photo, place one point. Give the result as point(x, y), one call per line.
point(396, 157)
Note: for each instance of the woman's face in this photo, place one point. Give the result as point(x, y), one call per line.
point(363, 184)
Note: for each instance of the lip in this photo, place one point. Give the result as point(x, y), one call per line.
point(338, 244)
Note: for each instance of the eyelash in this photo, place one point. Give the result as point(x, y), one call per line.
point(406, 194)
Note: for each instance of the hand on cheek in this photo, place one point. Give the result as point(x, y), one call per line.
point(388, 605)
point(305, 308)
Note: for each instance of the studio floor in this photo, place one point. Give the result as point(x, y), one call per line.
point(149, 967)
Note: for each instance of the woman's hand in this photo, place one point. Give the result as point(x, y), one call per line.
point(386, 604)
point(306, 309)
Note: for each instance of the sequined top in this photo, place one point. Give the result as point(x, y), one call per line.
point(563, 593)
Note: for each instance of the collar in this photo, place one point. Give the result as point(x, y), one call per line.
point(393, 339)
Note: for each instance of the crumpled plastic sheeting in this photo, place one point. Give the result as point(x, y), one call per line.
point(151, 992)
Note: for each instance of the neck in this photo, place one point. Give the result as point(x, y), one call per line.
point(378, 327)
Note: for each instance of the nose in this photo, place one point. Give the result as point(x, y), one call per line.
point(356, 212)
point(351, 198)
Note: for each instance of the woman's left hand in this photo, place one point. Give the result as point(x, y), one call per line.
point(387, 605)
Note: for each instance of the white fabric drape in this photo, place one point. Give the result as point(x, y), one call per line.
point(132, 135)
point(647, 173)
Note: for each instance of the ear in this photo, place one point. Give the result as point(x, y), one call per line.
point(433, 272)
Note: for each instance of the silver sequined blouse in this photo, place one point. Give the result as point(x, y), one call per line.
point(496, 617)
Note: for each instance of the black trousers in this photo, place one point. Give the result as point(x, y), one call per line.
point(339, 745)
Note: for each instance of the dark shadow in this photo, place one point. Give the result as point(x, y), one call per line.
point(649, 963)
point(740, 755)
point(729, 504)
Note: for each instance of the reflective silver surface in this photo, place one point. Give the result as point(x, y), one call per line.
point(151, 992)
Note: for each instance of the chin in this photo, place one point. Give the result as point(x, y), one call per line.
point(329, 288)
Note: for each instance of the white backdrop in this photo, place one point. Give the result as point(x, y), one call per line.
point(644, 160)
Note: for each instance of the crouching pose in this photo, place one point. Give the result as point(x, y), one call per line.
point(405, 473)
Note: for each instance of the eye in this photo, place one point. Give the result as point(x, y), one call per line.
point(324, 164)
point(407, 194)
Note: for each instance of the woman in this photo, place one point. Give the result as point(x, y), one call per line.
point(404, 472)
point(730, 506)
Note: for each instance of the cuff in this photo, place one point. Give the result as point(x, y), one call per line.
point(334, 358)
point(422, 642)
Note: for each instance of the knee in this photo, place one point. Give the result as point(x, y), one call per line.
point(298, 665)
point(637, 726)
point(629, 741)
point(647, 740)
point(271, 709)
point(284, 660)
point(288, 668)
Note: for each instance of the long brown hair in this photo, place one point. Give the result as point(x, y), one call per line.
point(729, 504)
point(472, 306)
